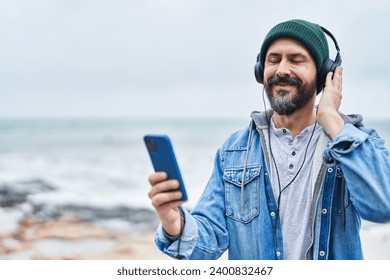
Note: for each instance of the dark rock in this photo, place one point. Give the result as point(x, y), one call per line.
point(13, 194)
point(93, 214)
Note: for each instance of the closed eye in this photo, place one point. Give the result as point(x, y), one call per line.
point(297, 58)
point(273, 58)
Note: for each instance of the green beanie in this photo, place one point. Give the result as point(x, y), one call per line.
point(307, 33)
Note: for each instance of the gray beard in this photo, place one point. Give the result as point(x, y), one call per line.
point(283, 105)
point(287, 106)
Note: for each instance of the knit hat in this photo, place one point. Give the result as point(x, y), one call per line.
point(307, 33)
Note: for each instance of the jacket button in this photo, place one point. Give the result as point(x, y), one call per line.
point(324, 211)
point(330, 169)
point(322, 253)
point(277, 253)
point(272, 214)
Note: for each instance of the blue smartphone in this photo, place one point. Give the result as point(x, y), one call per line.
point(163, 158)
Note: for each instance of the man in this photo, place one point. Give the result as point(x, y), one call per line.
point(295, 183)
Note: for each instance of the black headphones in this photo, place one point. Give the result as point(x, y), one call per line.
point(327, 66)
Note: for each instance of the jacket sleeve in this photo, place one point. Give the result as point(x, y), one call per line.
point(204, 234)
point(365, 163)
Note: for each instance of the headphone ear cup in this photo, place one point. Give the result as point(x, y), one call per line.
point(259, 73)
point(328, 66)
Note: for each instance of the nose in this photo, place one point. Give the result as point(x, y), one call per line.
point(283, 69)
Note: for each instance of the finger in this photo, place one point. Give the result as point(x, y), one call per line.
point(162, 198)
point(338, 77)
point(157, 177)
point(329, 78)
point(339, 71)
point(163, 187)
point(174, 204)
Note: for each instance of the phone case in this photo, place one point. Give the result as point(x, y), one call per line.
point(163, 158)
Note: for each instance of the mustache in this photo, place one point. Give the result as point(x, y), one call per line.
point(276, 80)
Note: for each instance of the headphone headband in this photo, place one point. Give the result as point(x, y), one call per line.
point(331, 36)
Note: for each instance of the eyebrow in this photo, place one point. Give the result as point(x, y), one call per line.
point(297, 55)
point(273, 54)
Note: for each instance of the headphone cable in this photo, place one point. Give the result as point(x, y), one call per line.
point(277, 170)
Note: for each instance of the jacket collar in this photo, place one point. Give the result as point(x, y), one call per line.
point(262, 118)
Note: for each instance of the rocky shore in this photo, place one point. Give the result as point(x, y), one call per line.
point(67, 237)
point(32, 230)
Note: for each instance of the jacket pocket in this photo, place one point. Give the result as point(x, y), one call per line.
point(233, 177)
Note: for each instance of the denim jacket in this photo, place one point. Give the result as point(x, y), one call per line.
point(236, 211)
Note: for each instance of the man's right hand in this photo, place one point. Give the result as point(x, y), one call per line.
point(166, 202)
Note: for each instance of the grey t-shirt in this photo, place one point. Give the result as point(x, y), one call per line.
point(296, 199)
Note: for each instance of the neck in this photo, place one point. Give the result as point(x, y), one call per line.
point(297, 121)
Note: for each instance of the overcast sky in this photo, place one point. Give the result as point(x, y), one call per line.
point(175, 58)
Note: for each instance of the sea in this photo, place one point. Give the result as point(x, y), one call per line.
point(99, 168)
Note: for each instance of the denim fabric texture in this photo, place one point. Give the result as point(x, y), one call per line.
point(352, 183)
